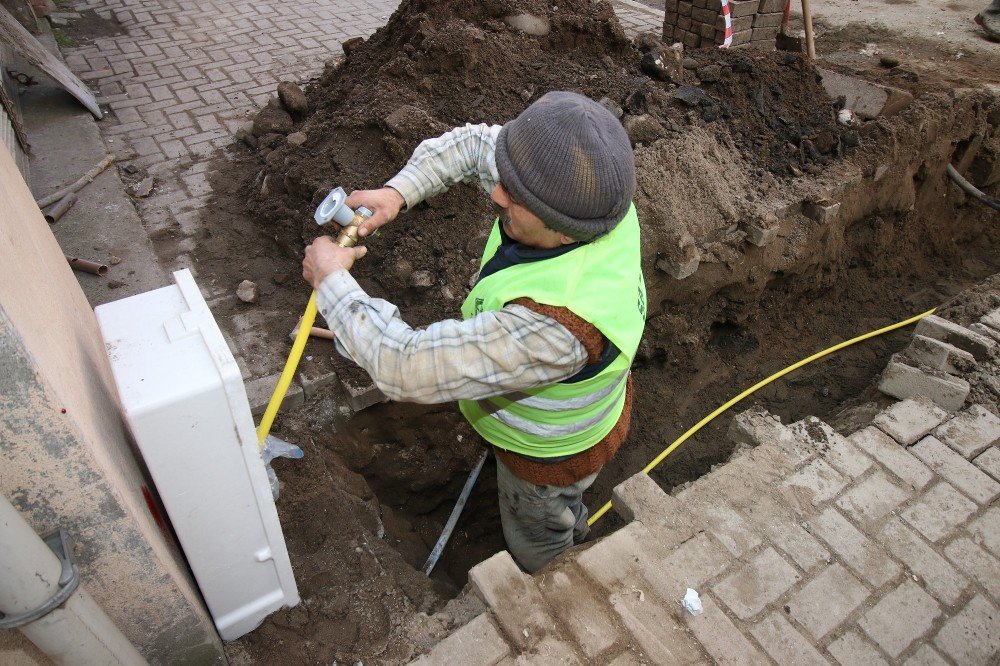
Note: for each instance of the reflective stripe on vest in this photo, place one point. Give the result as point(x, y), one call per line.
point(592, 280)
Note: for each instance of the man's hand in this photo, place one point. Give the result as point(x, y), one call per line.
point(324, 257)
point(384, 204)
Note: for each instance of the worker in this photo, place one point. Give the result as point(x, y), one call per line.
point(540, 360)
point(989, 21)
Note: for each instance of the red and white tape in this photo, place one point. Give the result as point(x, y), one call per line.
point(728, 41)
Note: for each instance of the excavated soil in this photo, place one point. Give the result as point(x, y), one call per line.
point(735, 141)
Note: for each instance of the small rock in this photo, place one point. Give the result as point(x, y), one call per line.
point(297, 139)
point(691, 63)
point(850, 139)
point(352, 45)
point(293, 99)
point(794, 170)
point(888, 61)
point(421, 280)
point(825, 142)
point(247, 291)
point(114, 261)
point(245, 134)
point(647, 41)
point(403, 269)
point(692, 96)
point(709, 73)
point(143, 188)
point(272, 121)
point(643, 129)
point(130, 169)
point(529, 24)
point(613, 107)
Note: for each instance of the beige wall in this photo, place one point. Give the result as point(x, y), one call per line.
point(65, 460)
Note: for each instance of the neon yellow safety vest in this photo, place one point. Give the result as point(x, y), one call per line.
point(601, 282)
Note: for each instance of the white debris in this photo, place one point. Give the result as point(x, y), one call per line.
point(847, 118)
point(247, 292)
point(692, 602)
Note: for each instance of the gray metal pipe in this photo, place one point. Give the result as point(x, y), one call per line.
point(76, 632)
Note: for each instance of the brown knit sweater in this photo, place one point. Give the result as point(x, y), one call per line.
point(593, 459)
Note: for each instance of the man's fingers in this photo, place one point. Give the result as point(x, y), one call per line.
point(360, 251)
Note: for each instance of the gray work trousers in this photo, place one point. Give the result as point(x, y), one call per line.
point(539, 522)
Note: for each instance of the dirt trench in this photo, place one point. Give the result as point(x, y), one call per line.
point(741, 187)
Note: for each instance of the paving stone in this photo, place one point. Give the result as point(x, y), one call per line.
point(549, 652)
point(784, 643)
point(477, 642)
point(259, 393)
point(784, 531)
point(640, 498)
point(826, 601)
point(956, 470)
point(941, 329)
point(627, 658)
point(977, 564)
point(720, 638)
point(985, 530)
point(909, 420)
point(860, 553)
point(940, 578)
point(516, 603)
point(900, 380)
point(573, 601)
point(900, 617)
point(989, 462)
point(817, 481)
point(872, 499)
point(313, 382)
point(750, 588)
point(984, 330)
point(973, 635)
point(834, 447)
point(991, 319)
point(625, 555)
point(695, 562)
point(893, 456)
point(756, 427)
point(723, 522)
point(939, 355)
point(851, 650)
point(940, 511)
point(655, 629)
point(971, 432)
point(925, 656)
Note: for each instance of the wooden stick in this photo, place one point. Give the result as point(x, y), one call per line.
point(78, 185)
point(315, 332)
point(807, 19)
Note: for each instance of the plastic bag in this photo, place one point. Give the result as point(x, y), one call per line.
point(277, 448)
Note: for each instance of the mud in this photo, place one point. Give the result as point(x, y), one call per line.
point(757, 148)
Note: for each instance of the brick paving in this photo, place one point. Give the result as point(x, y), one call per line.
point(806, 548)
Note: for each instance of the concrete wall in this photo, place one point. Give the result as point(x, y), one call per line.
point(66, 458)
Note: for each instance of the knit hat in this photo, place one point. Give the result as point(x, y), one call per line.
point(568, 160)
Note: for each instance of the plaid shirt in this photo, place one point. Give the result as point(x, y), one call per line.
point(491, 354)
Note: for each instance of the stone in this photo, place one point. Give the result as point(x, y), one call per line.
point(894, 457)
point(925, 655)
point(748, 590)
point(421, 279)
point(692, 96)
point(822, 211)
point(956, 470)
point(683, 264)
point(529, 24)
point(612, 106)
point(722, 522)
point(694, 562)
point(626, 554)
point(868, 100)
point(940, 512)
point(247, 292)
point(909, 420)
point(709, 73)
point(852, 649)
point(985, 331)
point(351, 45)
point(784, 643)
point(293, 99)
point(835, 448)
point(311, 383)
point(991, 320)
point(361, 394)
point(478, 642)
point(143, 188)
point(297, 139)
point(589, 620)
point(767, 20)
point(272, 121)
point(246, 135)
point(902, 381)
point(513, 598)
point(872, 499)
point(719, 637)
point(787, 533)
point(643, 129)
point(975, 563)
point(259, 393)
point(860, 553)
point(762, 230)
point(654, 629)
point(817, 481)
point(989, 462)
point(827, 600)
point(971, 432)
point(741, 8)
point(972, 635)
point(980, 346)
point(639, 498)
point(940, 578)
point(647, 41)
point(939, 355)
point(900, 618)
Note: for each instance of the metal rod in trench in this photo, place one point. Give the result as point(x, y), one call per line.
point(453, 518)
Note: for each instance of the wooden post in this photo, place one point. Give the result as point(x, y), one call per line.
point(808, 21)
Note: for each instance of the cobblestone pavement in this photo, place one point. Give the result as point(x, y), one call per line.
point(808, 547)
point(184, 77)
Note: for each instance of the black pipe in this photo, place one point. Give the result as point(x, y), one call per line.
point(971, 189)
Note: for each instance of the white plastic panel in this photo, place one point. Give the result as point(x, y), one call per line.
point(185, 403)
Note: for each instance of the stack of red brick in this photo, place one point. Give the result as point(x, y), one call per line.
point(699, 23)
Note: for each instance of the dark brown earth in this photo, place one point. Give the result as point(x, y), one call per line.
point(363, 508)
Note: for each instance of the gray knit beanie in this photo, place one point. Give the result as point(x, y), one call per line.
point(568, 160)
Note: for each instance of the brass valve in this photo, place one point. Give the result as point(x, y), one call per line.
point(348, 236)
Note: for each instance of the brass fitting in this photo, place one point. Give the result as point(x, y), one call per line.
point(348, 236)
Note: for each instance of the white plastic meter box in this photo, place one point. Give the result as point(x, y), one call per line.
point(186, 406)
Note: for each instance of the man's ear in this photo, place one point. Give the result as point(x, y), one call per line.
point(566, 240)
